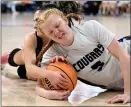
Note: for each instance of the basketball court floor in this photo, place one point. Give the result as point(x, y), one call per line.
point(18, 92)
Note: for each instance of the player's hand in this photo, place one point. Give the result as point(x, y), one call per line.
point(124, 98)
point(58, 58)
point(51, 94)
point(60, 94)
point(58, 79)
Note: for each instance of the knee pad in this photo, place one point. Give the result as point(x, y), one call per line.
point(11, 57)
point(22, 72)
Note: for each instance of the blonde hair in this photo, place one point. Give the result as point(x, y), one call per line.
point(43, 16)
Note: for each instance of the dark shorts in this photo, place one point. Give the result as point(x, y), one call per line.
point(21, 69)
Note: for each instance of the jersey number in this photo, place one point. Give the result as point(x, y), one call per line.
point(98, 65)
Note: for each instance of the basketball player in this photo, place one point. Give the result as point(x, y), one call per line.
point(28, 59)
point(98, 58)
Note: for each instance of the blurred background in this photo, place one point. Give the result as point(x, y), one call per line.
point(104, 8)
point(17, 18)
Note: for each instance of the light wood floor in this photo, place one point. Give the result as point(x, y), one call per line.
point(18, 92)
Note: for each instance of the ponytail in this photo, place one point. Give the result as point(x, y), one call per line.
point(77, 17)
point(43, 50)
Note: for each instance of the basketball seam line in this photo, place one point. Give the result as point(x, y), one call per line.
point(65, 73)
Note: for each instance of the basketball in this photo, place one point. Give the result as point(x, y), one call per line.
point(67, 68)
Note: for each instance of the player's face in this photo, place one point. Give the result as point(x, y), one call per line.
point(56, 28)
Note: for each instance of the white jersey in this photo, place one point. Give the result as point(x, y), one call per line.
point(89, 55)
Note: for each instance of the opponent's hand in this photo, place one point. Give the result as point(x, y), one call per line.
point(51, 94)
point(60, 94)
point(58, 79)
point(58, 58)
point(124, 98)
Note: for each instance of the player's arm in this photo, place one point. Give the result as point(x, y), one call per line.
point(33, 72)
point(51, 94)
point(105, 37)
point(120, 53)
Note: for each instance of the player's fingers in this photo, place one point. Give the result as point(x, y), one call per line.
point(108, 101)
point(116, 100)
point(62, 86)
point(53, 59)
point(126, 101)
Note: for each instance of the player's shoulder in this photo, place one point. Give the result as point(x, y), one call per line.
point(90, 25)
point(87, 25)
point(30, 39)
point(90, 22)
point(30, 36)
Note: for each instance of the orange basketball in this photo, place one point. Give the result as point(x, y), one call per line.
point(61, 67)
